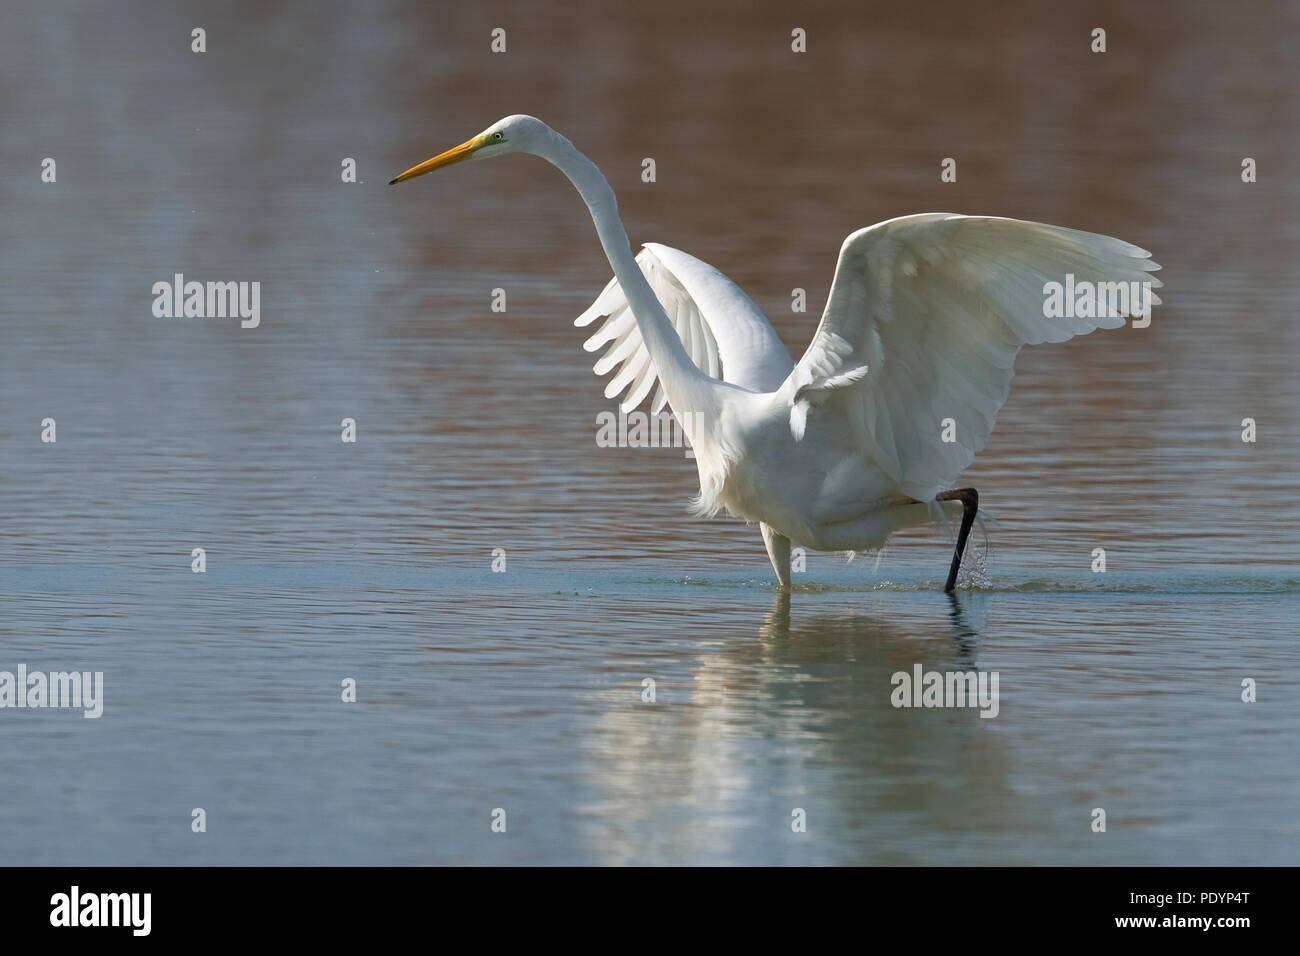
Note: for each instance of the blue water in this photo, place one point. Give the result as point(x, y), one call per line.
point(522, 690)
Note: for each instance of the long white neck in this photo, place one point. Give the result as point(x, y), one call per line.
point(688, 389)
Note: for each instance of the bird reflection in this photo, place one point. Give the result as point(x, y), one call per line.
point(744, 730)
point(776, 627)
point(963, 613)
point(966, 614)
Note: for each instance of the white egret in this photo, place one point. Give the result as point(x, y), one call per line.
point(899, 389)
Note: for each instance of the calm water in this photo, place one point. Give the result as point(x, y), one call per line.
point(477, 431)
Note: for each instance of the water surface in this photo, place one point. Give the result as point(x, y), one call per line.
point(522, 690)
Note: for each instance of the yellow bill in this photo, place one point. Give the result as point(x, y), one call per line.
point(454, 155)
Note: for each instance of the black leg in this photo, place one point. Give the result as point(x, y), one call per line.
point(970, 499)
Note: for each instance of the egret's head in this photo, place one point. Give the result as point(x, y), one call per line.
point(514, 134)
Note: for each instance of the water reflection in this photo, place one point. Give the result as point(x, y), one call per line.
point(476, 433)
point(799, 717)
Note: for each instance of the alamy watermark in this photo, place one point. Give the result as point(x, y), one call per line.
point(37, 689)
point(1084, 299)
point(75, 908)
point(641, 429)
point(946, 689)
point(211, 300)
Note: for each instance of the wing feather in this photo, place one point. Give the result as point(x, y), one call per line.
point(721, 328)
point(937, 306)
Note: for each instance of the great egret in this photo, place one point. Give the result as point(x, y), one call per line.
point(893, 398)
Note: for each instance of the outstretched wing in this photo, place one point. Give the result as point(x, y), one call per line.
point(724, 332)
point(924, 320)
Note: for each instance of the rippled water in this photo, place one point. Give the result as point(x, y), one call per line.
point(522, 690)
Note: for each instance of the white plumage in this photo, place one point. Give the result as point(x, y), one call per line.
point(924, 320)
point(725, 334)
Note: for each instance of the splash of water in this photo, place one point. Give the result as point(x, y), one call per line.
point(974, 571)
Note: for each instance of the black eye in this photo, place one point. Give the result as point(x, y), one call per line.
point(497, 136)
